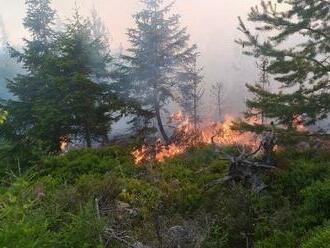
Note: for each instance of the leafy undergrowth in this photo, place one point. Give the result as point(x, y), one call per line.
point(77, 199)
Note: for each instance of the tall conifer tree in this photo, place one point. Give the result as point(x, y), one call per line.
point(65, 91)
point(159, 52)
point(84, 80)
point(30, 113)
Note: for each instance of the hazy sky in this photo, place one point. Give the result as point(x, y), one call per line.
point(211, 23)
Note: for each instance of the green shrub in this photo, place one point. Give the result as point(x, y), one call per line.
point(140, 194)
point(217, 237)
point(83, 231)
point(104, 188)
point(301, 173)
point(319, 238)
point(21, 223)
point(53, 204)
point(76, 163)
point(20, 228)
point(278, 239)
point(316, 204)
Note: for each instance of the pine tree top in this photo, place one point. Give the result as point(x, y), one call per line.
point(39, 18)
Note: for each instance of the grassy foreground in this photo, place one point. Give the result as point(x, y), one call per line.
point(83, 198)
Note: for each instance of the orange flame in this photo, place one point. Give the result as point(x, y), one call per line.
point(185, 136)
point(64, 144)
point(298, 123)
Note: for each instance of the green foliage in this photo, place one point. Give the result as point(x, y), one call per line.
point(300, 173)
point(217, 237)
point(33, 90)
point(235, 213)
point(38, 20)
point(76, 163)
point(160, 63)
point(65, 92)
point(3, 115)
point(83, 78)
point(27, 222)
point(54, 204)
point(26, 231)
point(40, 212)
point(316, 201)
point(297, 66)
point(84, 230)
point(285, 108)
point(277, 240)
point(320, 238)
point(21, 225)
point(142, 195)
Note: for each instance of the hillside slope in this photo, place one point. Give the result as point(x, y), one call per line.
point(98, 198)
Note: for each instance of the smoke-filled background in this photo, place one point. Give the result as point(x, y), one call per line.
point(211, 23)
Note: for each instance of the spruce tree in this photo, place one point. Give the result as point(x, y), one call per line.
point(32, 119)
point(83, 74)
point(38, 21)
point(65, 92)
point(294, 36)
point(158, 54)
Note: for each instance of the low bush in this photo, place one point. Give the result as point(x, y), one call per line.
point(54, 203)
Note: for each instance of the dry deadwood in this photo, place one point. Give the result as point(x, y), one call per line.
point(113, 235)
point(242, 169)
point(116, 231)
point(121, 236)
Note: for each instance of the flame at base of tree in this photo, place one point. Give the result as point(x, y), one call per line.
point(187, 135)
point(64, 144)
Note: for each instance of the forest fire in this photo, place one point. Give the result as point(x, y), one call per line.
point(64, 144)
point(187, 135)
point(298, 123)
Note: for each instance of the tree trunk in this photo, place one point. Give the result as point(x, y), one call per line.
point(105, 140)
point(88, 139)
point(219, 106)
point(195, 111)
point(160, 123)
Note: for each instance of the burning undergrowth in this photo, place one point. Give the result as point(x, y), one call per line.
point(187, 135)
